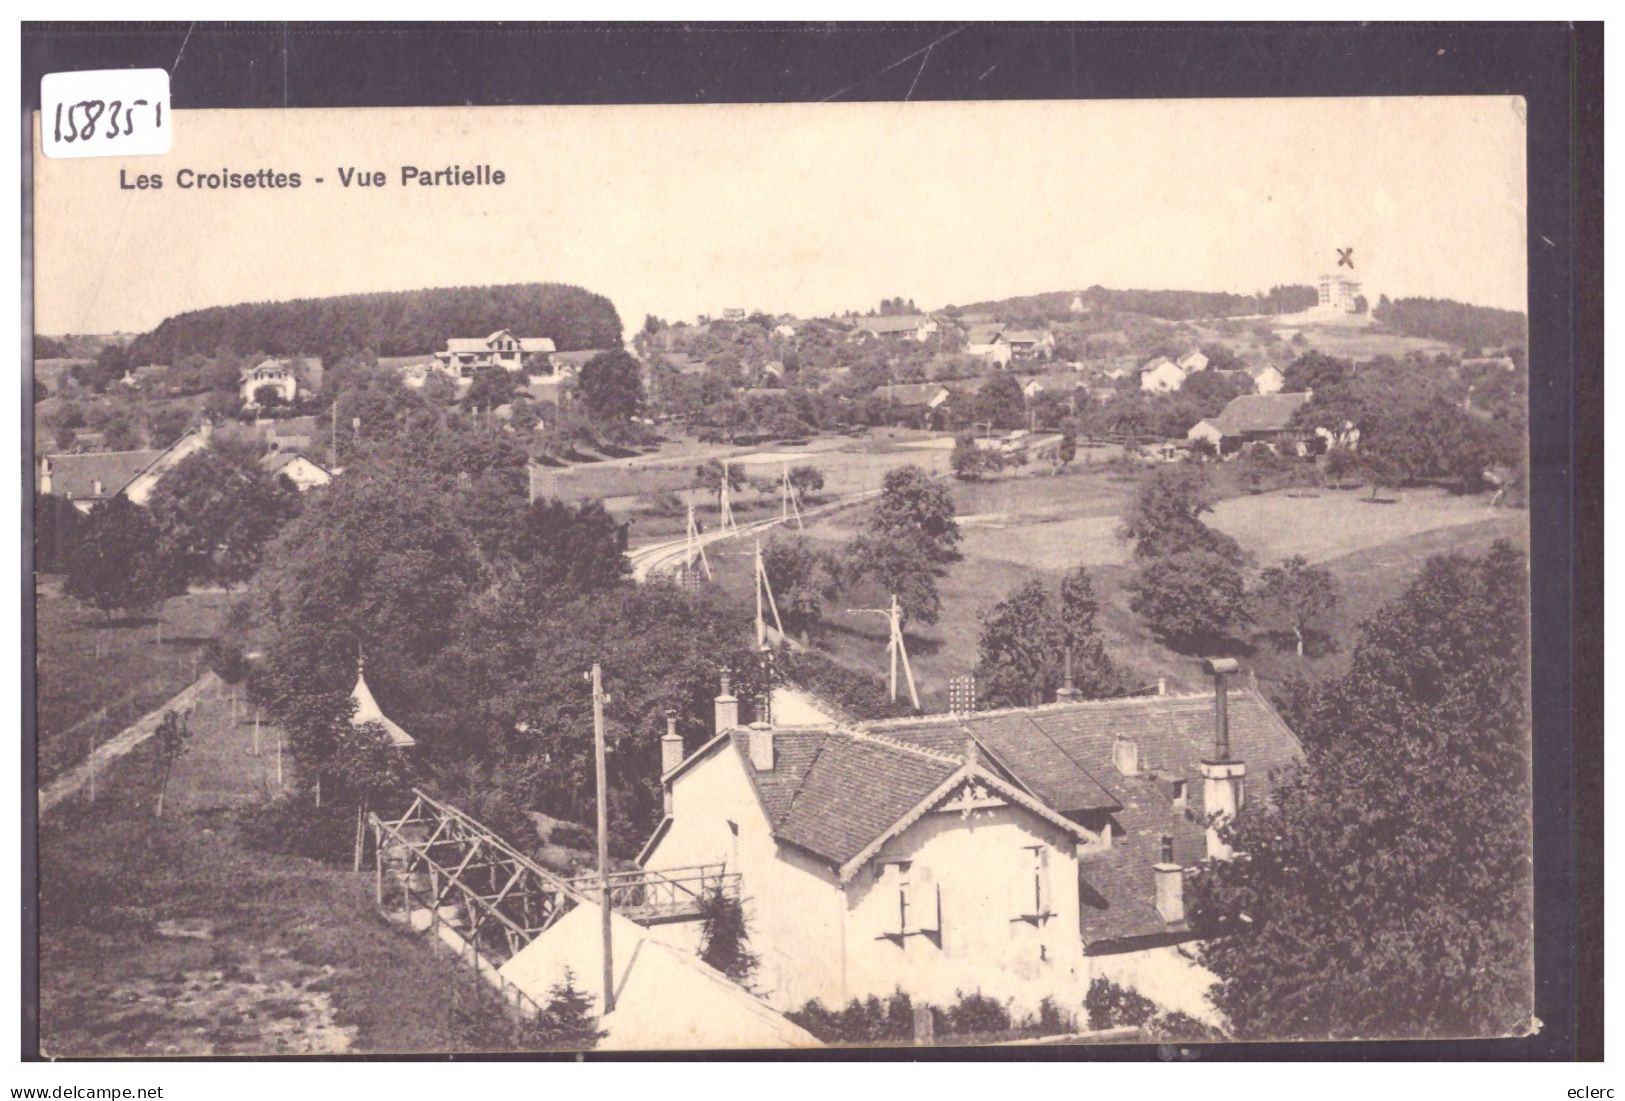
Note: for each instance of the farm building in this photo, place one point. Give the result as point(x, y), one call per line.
point(1254, 418)
point(897, 327)
point(1004, 851)
point(1266, 379)
point(1030, 343)
point(87, 479)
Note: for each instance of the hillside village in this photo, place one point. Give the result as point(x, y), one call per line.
point(962, 668)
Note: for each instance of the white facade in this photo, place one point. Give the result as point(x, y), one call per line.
point(1162, 376)
point(463, 356)
point(278, 376)
point(1338, 293)
point(1269, 380)
point(973, 891)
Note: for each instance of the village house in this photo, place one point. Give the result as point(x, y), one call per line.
point(987, 343)
point(465, 355)
point(1255, 418)
point(563, 365)
point(98, 476)
point(304, 473)
point(1030, 343)
point(1191, 362)
point(1266, 379)
point(1008, 852)
point(897, 327)
point(926, 403)
point(280, 376)
point(1161, 375)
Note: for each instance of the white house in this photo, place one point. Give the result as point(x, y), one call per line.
point(1161, 375)
point(986, 342)
point(464, 356)
point(1267, 379)
point(1338, 294)
point(276, 374)
point(1077, 305)
point(997, 851)
point(304, 473)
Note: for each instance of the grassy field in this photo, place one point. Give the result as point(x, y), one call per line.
point(171, 938)
point(1042, 526)
point(95, 678)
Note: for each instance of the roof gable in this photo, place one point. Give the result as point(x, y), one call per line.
point(77, 476)
point(1259, 413)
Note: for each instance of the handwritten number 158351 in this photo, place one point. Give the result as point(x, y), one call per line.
point(90, 112)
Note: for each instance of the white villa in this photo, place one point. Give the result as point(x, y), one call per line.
point(1018, 853)
point(463, 356)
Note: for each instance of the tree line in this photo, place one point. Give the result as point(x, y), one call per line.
point(386, 323)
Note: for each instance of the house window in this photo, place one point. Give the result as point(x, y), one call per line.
point(1033, 889)
point(913, 892)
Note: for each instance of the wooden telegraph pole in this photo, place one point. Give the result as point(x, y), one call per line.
point(788, 505)
point(696, 547)
point(598, 699)
point(895, 650)
point(725, 508)
point(763, 587)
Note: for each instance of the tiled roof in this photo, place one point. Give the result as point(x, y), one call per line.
point(1153, 364)
point(76, 476)
point(984, 334)
point(1027, 336)
point(895, 323)
point(1063, 754)
point(368, 711)
point(834, 792)
point(1259, 413)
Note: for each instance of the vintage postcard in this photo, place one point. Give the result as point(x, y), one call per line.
point(781, 576)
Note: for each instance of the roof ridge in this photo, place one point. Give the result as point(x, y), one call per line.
point(876, 725)
point(866, 735)
point(102, 454)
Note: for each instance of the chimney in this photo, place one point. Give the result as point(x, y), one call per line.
point(1221, 774)
point(761, 746)
point(1068, 692)
point(1126, 755)
point(45, 476)
point(727, 708)
point(96, 487)
point(671, 753)
point(1170, 885)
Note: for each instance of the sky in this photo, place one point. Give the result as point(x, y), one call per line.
point(802, 209)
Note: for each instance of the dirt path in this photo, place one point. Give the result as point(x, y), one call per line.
point(122, 742)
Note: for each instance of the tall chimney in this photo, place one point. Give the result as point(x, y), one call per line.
point(1068, 692)
point(1170, 885)
point(761, 746)
point(45, 476)
point(1221, 774)
point(671, 753)
point(727, 708)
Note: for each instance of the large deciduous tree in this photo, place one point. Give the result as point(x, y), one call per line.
point(1028, 637)
point(911, 541)
point(1398, 857)
point(117, 560)
point(1166, 517)
point(217, 511)
point(1194, 599)
point(612, 387)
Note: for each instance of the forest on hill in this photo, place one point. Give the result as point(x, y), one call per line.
point(1167, 305)
point(387, 323)
point(1471, 327)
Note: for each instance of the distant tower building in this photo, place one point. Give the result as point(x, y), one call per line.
point(1338, 291)
point(1077, 304)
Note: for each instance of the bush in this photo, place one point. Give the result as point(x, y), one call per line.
point(871, 1021)
point(860, 695)
point(974, 1015)
point(294, 825)
point(572, 835)
point(1111, 1006)
point(1181, 1028)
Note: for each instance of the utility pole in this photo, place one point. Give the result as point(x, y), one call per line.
point(598, 699)
point(773, 605)
point(788, 505)
point(725, 509)
point(695, 546)
point(333, 438)
point(530, 482)
point(895, 649)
